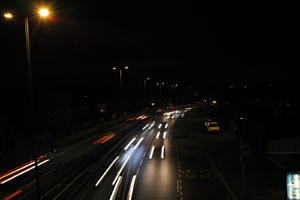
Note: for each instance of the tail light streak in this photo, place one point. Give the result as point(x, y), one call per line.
point(23, 172)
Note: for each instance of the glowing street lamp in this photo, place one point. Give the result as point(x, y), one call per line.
point(8, 15)
point(43, 12)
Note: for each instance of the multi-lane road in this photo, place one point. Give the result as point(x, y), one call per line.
point(145, 163)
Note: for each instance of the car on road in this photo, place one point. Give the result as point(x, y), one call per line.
point(213, 126)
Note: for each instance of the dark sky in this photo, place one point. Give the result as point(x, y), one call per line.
point(183, 42)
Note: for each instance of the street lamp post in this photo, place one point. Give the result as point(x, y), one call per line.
point(121, 68)
point(145, 88)
point(43, 13)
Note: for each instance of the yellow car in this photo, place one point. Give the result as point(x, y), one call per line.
point(213, 127)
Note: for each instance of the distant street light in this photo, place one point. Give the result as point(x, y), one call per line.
point(42, 13)
point(121, 68)
point(160, 84)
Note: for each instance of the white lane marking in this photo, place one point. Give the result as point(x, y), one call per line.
point(166, 126)
point(165, 135)
point(128, 145)
point(120, 170)
point(110, 166)
point(139, 142)
point(159, 126)
point(114, 192)
point(129, 197)
point(151, 152)
point(23, 172)
point(157, 135)
point(162, 155)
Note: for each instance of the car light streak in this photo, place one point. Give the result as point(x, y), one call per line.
point(151, 152)
point(162, 155)
point(129, 144)
point(23, 172)
point(107, 139)
point(166, 126)
point(100, 140)
point(139, 142)
point(129, 197)
point(121, 169)
point(114, 192)
point(159, 126)
point(145, 126)
point(15, 170)
point(165, 135)
point(12, 195)
point(104, 174)
point(157, 135)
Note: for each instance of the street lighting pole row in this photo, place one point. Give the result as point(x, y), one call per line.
point(43, 13)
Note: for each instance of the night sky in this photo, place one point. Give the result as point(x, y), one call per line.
point(176, 42)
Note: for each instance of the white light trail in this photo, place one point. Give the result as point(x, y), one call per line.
point(120, 170)
point(157, 135)
point(145, 126)
point(165, 135)
point(159, 126)
point(104, 174)
point(128, 145)
point(162, 155)
point(129, 197)
point(173, 116)
point(139, 142)
point(15, 171)
point(23, 172)
point(166, 126)
point(114, 192)
point(151, 152)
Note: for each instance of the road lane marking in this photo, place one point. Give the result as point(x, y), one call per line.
point(114, 192)
point(151, 152)
point(129, 197)
point(159, 126)
point(157, 135)
point(129, 144)
point(165, 135)
point(119, 172)
point(110, 166)
point(162, 155)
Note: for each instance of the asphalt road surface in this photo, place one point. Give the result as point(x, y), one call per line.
point(145, 164)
